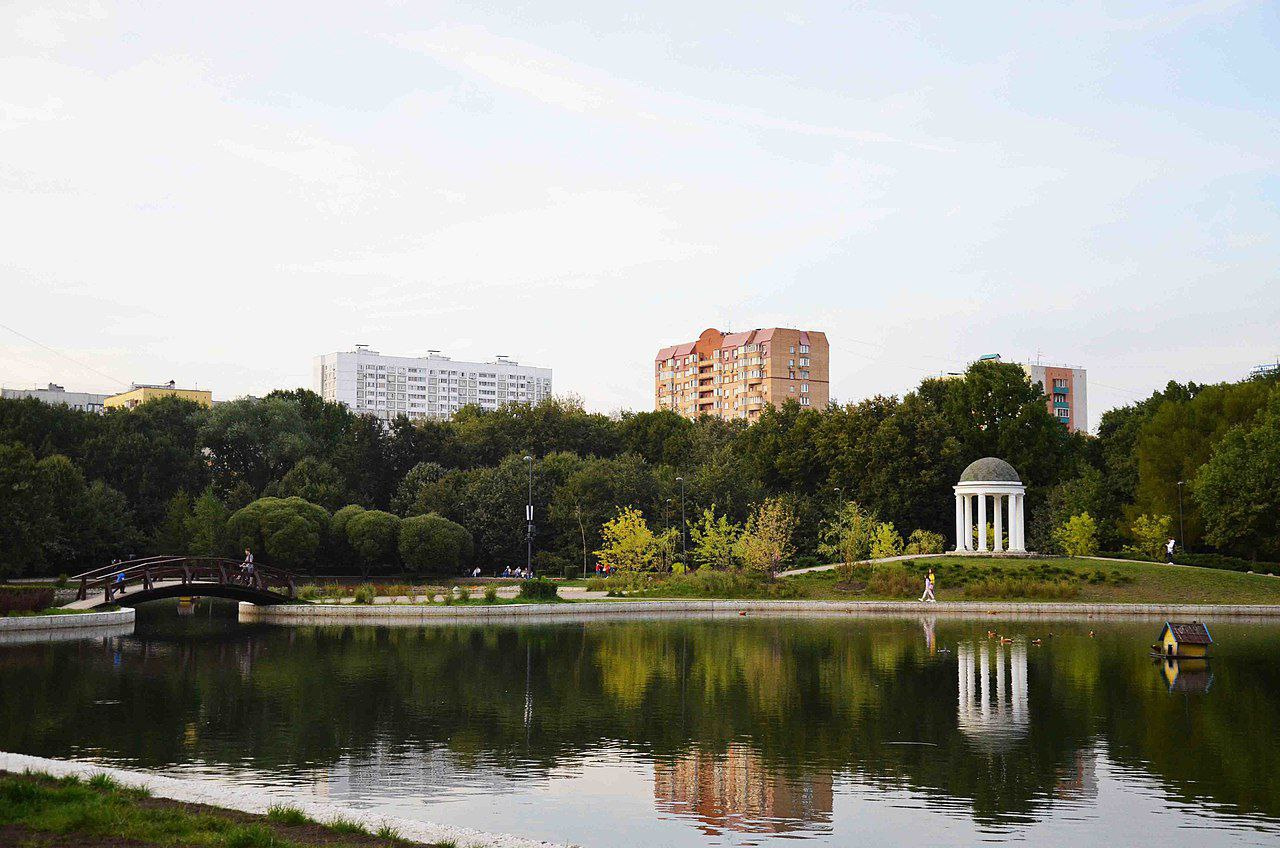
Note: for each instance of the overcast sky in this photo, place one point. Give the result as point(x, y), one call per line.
point(216, 192)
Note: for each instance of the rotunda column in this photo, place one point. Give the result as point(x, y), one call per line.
point(982, 521)
point(998, 501)
point(968, 522)
point(959, 523)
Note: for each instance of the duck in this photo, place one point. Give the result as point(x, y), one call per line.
point(1036, 642)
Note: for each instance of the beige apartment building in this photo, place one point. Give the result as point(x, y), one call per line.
point(735, 375)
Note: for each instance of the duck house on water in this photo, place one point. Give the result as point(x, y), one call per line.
point(1183, 641)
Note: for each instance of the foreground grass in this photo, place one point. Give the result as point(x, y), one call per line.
point(38, 809)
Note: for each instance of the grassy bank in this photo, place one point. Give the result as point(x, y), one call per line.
point(37, 810)
point(1047, 579)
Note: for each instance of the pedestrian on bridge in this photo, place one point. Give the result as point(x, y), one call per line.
point(246, 567)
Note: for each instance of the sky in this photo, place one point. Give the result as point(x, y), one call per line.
point(216, 193)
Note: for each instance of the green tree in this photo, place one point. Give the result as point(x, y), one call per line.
point(422, 474)
point(173, 534)
point(766, 542)
point(715, 540)
point(289, 530)
point(207, 525)
point(886, 541)
point(1238, 489)
point(22, 524)
point(253, 441)
point(847, 537)
point(374, 535)
point(627, 543)
point(1149, 534)
point(316, 481)
point(1078, 536)
point(432, 542)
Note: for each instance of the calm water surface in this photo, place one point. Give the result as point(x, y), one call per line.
point(743, 731)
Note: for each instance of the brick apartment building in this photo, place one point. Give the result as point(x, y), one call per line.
point(735, 375)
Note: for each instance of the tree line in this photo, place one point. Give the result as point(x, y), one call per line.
point(78, 489)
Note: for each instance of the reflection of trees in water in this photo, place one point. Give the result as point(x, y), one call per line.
point(796, 700)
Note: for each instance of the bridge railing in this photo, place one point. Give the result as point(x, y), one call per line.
point(121, 577)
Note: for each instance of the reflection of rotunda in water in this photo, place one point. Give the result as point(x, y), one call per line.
point(992, 710)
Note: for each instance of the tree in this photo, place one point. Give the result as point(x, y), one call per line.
point(715, 540)
point(316, 481)
point(1238, 489)
point(432, 542)
point(22, 524)
point(289, 530)
point(925, 542)
point(886, 541)
point(422, 474)
point(374, 536)
point(847, 537)
point(253, 441)
point(173, 534)
point(1078, 536)
point(627, 543)
point(1149, 533)
point(207, 525)
point(766, 543)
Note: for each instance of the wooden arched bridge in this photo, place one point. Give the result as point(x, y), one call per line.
point(137, 581)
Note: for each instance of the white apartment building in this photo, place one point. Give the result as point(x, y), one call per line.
point(55, 395)
point(431, 386)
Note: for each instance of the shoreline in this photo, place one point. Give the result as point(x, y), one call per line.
point(211, 793)
point(35, 628)
point(411, 615)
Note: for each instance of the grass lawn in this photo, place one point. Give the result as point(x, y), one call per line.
point(1045, 579)
point(45, 812)
point(57, 611)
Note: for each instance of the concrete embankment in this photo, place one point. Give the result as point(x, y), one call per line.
point(39, 628)
point(407, 614)
point(215, 793)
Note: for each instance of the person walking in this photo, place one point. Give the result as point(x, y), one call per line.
point(928, 597)
point(1168, 550)
point(246, 567)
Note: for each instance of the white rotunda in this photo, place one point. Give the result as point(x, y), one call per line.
point(994, 482)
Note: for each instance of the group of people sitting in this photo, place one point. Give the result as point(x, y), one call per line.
point(521, 573)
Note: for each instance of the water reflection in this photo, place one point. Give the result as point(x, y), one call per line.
point(681, 732)
point(737, 790)
point(992, 710)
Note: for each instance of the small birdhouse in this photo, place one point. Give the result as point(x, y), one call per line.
point(1185, 640)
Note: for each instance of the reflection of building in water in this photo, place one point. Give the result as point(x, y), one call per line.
point(993, 693)
point(735, 791)
point(1187, 675)
point(1079, 781)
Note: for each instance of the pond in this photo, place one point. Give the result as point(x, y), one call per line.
point(725, 731)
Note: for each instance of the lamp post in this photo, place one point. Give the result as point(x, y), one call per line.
point(684, 546)
point(666, 525)
point(840, 496)
point(1182, 530)
point(528, 517)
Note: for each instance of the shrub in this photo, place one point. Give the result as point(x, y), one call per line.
point(308, 592)
point(885, 541)
point(1149, 532)
point(464, 594)
point(373, 535)
point(570, 571)
point(540, 589)
point(490, 594)
point(1020, 587)
point(364, 594)
point(289, 530)
point(925, 542)
point(847, 537)
point(893, 580)
point(63, 580)
point(25, 599)
point(598, 584)
point(713, 583)
point(1078, 536)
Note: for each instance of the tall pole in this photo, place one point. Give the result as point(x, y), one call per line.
point(1182, 530)
point(684, 525)
point(528, 515)
point(666, 526)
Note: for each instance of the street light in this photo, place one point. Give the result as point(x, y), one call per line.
point(1182, 530)
point(840, 496)
point(666, 526)
point(684, 546)
point(528, 517)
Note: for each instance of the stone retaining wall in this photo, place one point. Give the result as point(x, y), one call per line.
point(78, 621)
point(405, 614)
